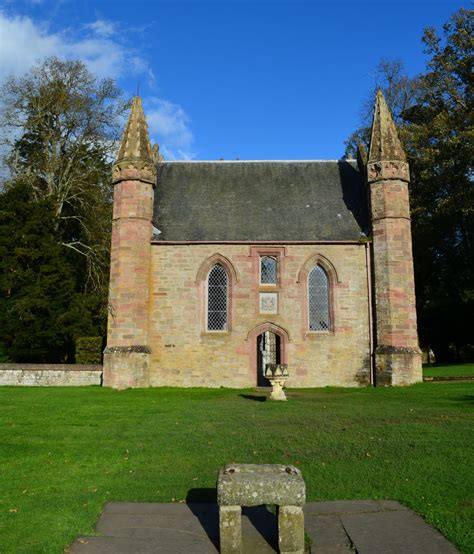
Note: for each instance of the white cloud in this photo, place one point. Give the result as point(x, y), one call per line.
point(102, 27)
point(25, 41)
point(169, 126)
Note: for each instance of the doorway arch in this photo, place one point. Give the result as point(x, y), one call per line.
point(266, 340)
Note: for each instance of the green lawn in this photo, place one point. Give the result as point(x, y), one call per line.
point(447, 370)
point(64, 452)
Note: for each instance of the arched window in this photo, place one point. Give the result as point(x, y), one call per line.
point(217, 298)
point(268, 270)
point(318, 300)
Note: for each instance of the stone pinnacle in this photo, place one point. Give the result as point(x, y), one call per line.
point(135, 143)
point(384, 142)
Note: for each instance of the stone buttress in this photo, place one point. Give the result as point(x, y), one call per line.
point(397, 354)
point(126, 358)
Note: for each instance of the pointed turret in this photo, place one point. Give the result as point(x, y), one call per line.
point(384, 141)
point(397, 355)
point(386, 157)
point(135, 151)
point(127, 356)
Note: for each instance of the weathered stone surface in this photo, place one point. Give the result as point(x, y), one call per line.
point(50, 375)
point(135, 158)
point(398, 366)
point(388, 170)
point(170, 542)
point(230, 529)
point(327, 533)
point(384, 141)
point(134, 178)
point(291, 530)
point(185, 355)
point(397, 359)
point(126, 367)
point(253, 485)
point(332, 507)
point(394, 532)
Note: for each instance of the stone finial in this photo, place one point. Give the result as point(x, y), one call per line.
point(135, 158)
point(386, 158)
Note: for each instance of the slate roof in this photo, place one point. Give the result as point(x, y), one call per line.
point(259, 201)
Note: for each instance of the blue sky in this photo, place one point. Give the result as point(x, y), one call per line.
point(231, 79)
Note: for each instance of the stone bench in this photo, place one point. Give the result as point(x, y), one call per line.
point(253, 485)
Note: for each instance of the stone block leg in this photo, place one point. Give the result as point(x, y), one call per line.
point(230, 529)
point(291, 530)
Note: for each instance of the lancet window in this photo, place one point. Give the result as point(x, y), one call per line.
point(217, 298)
point(318, 300)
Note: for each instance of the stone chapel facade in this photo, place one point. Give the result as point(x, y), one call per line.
point(220, 267)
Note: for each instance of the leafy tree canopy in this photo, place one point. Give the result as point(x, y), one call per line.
point(434, 115)
point(59, 127)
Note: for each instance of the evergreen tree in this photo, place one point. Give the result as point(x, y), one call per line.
point(59, 127)
point(36, 282)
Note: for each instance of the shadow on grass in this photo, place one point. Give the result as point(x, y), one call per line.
point(256, 397)
point(203, 504)
point(201, 495)
point(467, 399)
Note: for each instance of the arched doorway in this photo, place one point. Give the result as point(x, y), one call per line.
point(259, 343)
point(268, 352)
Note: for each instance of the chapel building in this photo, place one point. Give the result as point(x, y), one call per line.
point(221, 267)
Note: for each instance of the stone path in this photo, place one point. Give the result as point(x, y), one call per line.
point(341, 527)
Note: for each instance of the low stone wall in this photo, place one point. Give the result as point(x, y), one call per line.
point(50, 375)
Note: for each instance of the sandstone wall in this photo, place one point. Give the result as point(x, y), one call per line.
point(183, 353)
point(50, 375)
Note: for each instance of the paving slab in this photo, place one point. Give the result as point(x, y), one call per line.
point(394, 532)
point(167, 543)
point(328, 534)
point(337, 527)
point(342, 507)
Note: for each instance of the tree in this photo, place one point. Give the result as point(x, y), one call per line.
point(59, 128)
point(433, 112)
point(439, 135)
point(400, 91)
point(60, 124)
point(37, 286)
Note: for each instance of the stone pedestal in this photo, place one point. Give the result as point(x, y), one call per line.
point(277, 374)
point(126, 367)
point(291, 530)
point(230, 526)
point(397, 366)
point(255, 485)
point(277, 390)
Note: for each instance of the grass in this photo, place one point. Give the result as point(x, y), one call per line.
point(64, 452)
point(449, 370)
